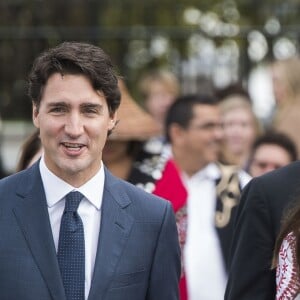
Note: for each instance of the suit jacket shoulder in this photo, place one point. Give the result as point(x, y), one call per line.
point(18, 185)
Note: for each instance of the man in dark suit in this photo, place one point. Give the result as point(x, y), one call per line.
point(263, 203)
point(69, 230)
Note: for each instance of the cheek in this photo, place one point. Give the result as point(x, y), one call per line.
point(97, 135)
point(98, 128)
point(228, 132)
point(50, 132)
point(46, 136)
point(249, 134)
point(154, 103)
point(203, 142)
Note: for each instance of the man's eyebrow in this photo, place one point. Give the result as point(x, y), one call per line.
point(57, 103)
point(91, 105)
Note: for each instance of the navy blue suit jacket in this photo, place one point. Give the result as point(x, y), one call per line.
point(138, 255)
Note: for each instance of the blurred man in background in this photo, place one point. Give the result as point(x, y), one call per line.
point(271, 151)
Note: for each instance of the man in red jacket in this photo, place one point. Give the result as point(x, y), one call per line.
point(198, 189)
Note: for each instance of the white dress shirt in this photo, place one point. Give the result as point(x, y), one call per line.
point(89, 211)
point(204, 266)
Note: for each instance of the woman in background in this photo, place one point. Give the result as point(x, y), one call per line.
point(241, 127)
point(158, 89)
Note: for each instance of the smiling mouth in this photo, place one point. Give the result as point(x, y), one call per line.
point(73, 146)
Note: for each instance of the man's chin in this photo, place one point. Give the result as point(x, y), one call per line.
point(71, 167)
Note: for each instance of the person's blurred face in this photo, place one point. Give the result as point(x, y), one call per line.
point(201, 140)
point(268, 157)
point(159, 100)
point(239, 131)
point(74, 121)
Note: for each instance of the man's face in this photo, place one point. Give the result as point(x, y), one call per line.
point(268, 157)
point(73, 120)
point(201, 139)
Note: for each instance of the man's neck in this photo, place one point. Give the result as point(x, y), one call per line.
point(188, 164)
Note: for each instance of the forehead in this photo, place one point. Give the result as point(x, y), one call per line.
point(239, 113)
point(271, 152)
point(159, 87)
point(70, 88)
point(206, 112)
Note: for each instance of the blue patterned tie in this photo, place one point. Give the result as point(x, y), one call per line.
point(70, 254)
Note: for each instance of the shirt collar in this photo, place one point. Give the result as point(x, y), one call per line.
point(211, 171)
point(56, 188)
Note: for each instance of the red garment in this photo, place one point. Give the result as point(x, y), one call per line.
point(170, 187)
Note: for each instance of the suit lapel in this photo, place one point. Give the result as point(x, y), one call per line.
point(115, 228)
point(33, 219)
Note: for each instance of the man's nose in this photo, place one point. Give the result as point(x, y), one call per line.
point(74, 125)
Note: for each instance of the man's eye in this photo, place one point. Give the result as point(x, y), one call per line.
point(90, 111)
point(58, 109)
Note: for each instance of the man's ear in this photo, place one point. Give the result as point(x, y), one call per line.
point(176, 133)
point(35, 119)
point(113, 121)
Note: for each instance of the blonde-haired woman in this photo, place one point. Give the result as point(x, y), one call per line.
point(241, 127)
point(159, 89)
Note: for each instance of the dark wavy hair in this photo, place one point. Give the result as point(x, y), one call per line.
point(75, 58)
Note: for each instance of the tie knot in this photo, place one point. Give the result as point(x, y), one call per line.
point(72, 201)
